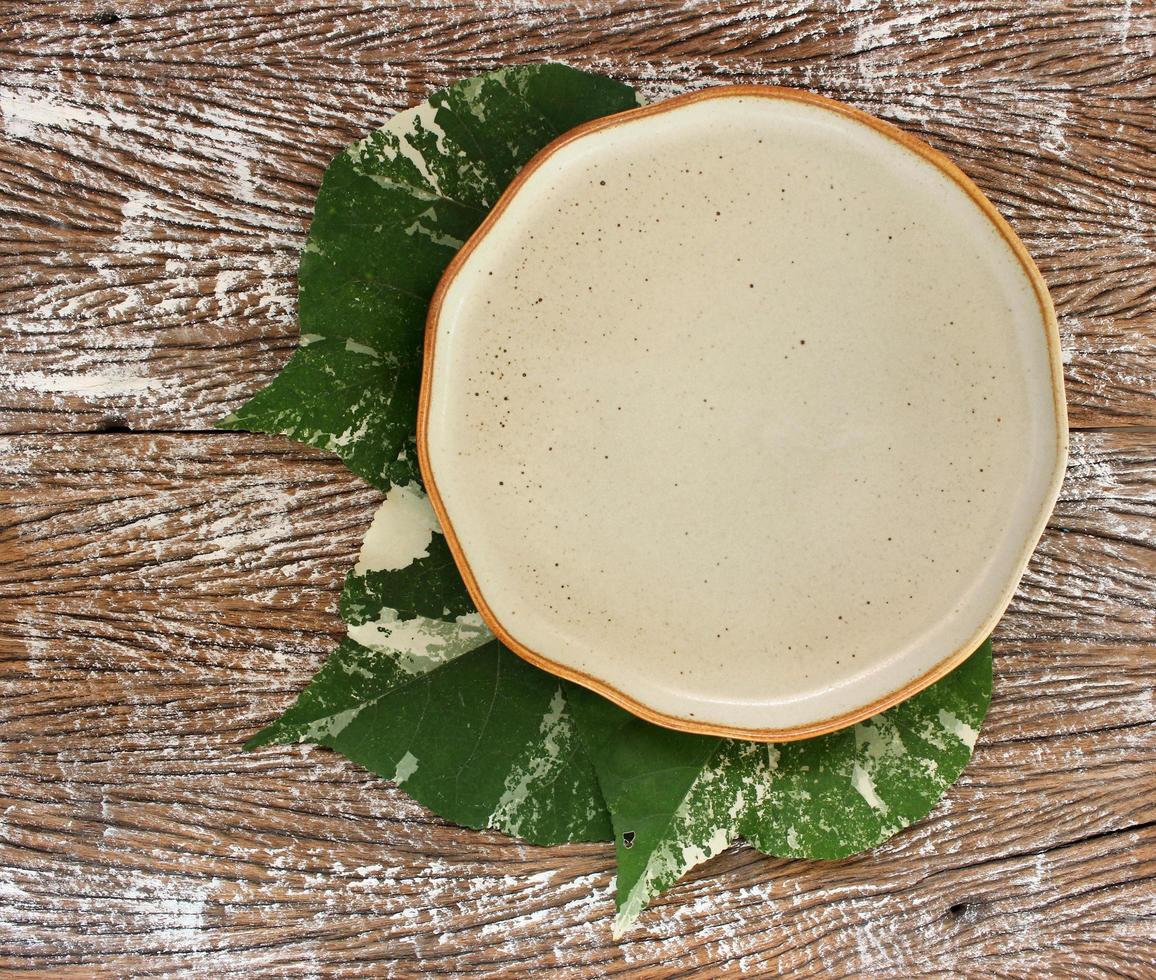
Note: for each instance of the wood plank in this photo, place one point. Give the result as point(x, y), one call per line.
point(160, 170)
point(163, 595)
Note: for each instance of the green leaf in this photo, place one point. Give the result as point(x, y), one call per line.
point(420, 692)
point(405, 565)
point(392, 210)
point(339, 396)
point(405, 596)
point(484, 740)
point(848, 791)
point(674, 798)
point(678, 799)
point(432, 587)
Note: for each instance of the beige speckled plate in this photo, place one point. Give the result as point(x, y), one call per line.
point(745, 410)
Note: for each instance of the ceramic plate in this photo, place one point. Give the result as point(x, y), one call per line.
point(745, 410)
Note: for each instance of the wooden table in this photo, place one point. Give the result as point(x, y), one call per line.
point(166, 589)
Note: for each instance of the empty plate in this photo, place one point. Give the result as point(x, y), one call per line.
point(745, 410)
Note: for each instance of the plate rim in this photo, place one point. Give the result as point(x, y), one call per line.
point(1051, 330)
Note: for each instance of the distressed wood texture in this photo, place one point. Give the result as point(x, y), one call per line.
point(161, 163)
point(164, 591)
point(165, 595)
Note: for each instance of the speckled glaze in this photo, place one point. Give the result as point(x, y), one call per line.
point(745, 410)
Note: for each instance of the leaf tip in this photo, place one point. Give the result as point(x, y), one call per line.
point(265, 736)
point(622, 923)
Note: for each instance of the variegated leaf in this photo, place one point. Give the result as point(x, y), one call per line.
point(392, 210)
point(484, 740)
point(678, 799)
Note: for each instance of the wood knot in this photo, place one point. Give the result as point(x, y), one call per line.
point(964, 911)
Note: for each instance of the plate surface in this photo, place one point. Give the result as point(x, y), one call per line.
point(745, 410)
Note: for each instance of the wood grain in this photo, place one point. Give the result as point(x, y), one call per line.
point(162, 598)
point(161, 166)
point(164, 591)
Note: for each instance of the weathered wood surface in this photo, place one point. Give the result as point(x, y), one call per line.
point(164, 592)
point(160, 167)
point(165, 595)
